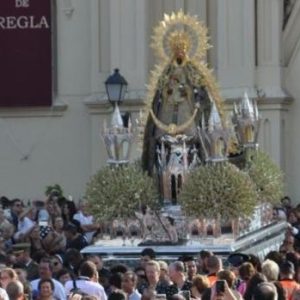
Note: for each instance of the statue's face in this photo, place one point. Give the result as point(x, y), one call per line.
point(180, 54)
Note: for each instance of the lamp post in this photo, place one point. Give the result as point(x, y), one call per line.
point(117, 137)
point(116, 87)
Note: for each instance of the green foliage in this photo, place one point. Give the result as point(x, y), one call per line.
point(118, 192)
point(56, 187)
point(266, 175)
point(219, 189)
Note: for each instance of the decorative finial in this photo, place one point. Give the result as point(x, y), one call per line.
point(116, 120)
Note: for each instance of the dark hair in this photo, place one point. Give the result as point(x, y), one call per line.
point(148, 252)
point(255, 261)
point(62, 272)
point(70, 227)
point(256, 279)
point(119, 268)
point(46, 260)
point(287, 268)
point(14, 201)
point(116, 280)
point(177, 297)
point(117, 295)
point(131, 275)
point(73, 254)
point(186, 258)
point(275, 256)
point(43, 281)
point(88, 269)
point(204, 254)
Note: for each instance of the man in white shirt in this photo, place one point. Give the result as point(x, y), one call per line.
point(45, 272)
point(129, 282)
point(87, 282)
point(86, 221)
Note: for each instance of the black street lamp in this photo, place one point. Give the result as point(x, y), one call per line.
point(116, 87)
point(117, 137)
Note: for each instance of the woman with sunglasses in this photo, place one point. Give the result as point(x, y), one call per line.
point(57, 264)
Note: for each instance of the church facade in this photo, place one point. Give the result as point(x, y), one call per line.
point(256, 48)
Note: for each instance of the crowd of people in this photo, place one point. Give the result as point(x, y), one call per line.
point(40, 259)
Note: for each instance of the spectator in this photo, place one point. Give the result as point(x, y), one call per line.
point(202, 261)
point(146, 255)
point(287, 273)
point(190, 266)
point(256, 279)
point(180, 282)
point(265, 291)
point(117, 295)
point(271, 270)
point(22, 253)
point(57, 264)
point(63, 276)
point(58, 226)
point(86, 221)
point(68, 211)
point(229, 277)
point(275, 256)
point(104, 273)
point(141, 277)
point(255, 261)
point(6, 228)
point(22, 276)
point(25, 225)
point(164, 278)
point(15, 290)
point(46, 289)
point(214, 265)
point(45, 272)
point(15, 211)
point(199, 284)
point(115, 282)
point(7, 275)
point(129, 282)
point(87, 281)
point(246, 271)
point(152, 272)
point(73, 260)
point(35, 242)
point(75, 239)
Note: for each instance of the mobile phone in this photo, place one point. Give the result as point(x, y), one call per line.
point(185, 294)
point(220, 287)
point(43, 223)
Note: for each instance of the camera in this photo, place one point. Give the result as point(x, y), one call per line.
point(220, 287)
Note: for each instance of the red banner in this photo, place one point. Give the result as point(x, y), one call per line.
point(25, 53)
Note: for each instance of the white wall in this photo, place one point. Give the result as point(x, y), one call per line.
point(63, 144)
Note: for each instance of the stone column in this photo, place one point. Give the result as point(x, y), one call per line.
point(231, 26)
point(269, 36)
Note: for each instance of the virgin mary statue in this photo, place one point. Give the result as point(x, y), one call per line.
point(181, 94)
